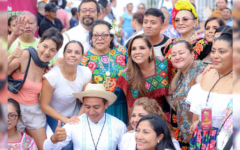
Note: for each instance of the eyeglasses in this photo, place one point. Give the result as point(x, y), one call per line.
point(184, 20)
point(103, 36)
point(12, 117)
point(91, 11)
point(141, 8)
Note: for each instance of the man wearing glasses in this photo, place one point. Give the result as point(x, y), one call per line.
point(88, 14)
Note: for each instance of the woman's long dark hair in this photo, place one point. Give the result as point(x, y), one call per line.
point(160, 127)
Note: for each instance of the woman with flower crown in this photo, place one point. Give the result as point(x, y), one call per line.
point(107, 61)
point(184, 20)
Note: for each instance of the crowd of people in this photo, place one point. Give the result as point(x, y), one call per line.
point(158, 78)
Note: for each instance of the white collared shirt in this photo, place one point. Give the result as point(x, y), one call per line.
point(128, 142)
point(81, 136)
point(77, 33)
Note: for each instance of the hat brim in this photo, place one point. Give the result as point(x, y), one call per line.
point(109, 96)
point(54, 9)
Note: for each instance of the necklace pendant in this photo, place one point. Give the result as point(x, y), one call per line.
point(108, 73)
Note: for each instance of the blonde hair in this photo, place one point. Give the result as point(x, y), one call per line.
point(152, 107)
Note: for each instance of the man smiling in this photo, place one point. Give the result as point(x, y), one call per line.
point(153, 22)
point(88, 14)
point(96, 130)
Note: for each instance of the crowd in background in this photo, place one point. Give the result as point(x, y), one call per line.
point(112, 75)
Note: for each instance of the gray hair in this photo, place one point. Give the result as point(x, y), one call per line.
point(27, 13)
point(41, 5)
point(101, 7)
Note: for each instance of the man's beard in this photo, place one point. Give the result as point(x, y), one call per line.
point(88, 23)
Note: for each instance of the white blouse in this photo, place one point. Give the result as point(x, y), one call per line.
point(128, 142)
point(197, 99)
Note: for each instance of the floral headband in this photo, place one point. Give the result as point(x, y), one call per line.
point(115, 30)
point(183, 5)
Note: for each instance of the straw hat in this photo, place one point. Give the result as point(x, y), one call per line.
point(96, 90)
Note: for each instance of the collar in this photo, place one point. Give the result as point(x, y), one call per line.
point(49, 20)
point(101, 121)
point(82, 28)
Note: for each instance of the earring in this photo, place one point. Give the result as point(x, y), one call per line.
point(150, 56)
point(158, 141)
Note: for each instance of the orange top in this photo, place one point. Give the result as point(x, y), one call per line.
point(217, 13)
point(29, 93)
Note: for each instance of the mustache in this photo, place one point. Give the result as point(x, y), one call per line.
point(87, 17)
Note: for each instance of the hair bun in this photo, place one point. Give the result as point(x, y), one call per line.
point(228, 34)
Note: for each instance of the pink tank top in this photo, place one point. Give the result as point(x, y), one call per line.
point(29, 93)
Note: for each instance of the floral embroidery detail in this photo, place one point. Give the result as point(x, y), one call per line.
point(198, 48)
point(120, 72)
point(113, 85)
point(84, 60)
point(147, 85)
point(121, 60)
point(160, 58)
point(25, 144)
point(92, 65)
point(168, 116)
point(122, 49)
point(93, 57)
point(105, 59)
point(174, 118)
point(113, 52)
point(176, 133)
point(97, 79)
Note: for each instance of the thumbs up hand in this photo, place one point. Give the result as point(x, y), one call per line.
point(17, 53)
point(59, 135)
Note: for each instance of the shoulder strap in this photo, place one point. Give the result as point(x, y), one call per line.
point(229, 143)
point(26, 72)
point(67, 36)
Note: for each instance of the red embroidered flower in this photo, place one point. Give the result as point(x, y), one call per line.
point(204, 133)
point(198, 48)
point(176, 133)
point(168, 116)
point(184, 148)
point(174, 117)
point(203, 146)
point(199, 137)
point(174, 13)
point(92, 65)
point(212, 144)
point(213, 133)
point(121, 60)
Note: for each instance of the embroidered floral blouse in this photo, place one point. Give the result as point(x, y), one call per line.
point(26, 143)
point(184, 84)
point(118, 61)
point(155, 86)
point(201, 48)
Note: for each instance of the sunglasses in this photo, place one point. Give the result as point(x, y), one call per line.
point(184, 20)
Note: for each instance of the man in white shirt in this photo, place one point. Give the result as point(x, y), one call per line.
point(88, 14)
point(96, 130)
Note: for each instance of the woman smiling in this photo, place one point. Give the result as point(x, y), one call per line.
point(107, 61)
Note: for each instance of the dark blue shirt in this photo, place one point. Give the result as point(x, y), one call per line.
point(73, 22)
